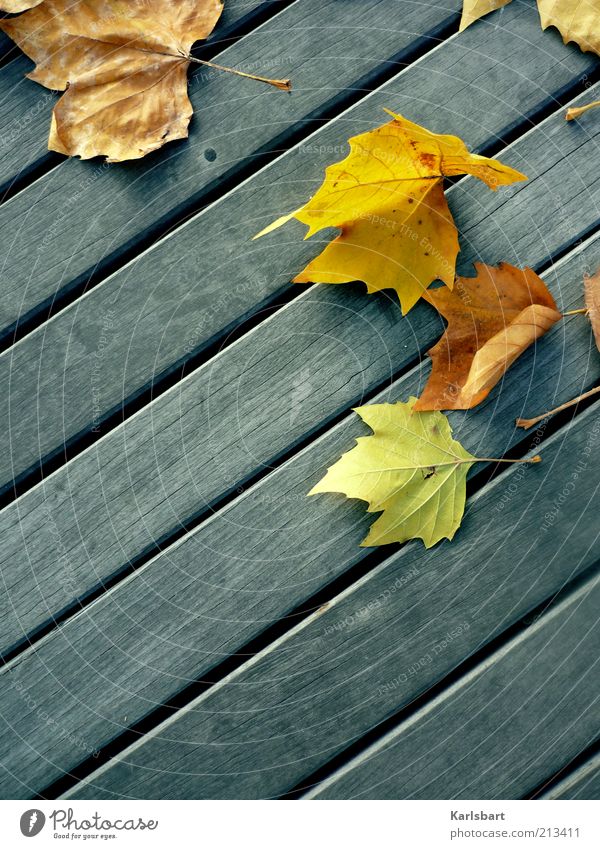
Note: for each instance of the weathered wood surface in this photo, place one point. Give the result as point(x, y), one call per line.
point(194, 287)
point(265, 728)
point(203, 599)
point(106, 211)
point(501, 729)
point(224, 424)
point(26, 107)
point(261, 550)
point(582, 783)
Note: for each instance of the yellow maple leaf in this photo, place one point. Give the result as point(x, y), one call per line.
point(123, 64)
point(387, 198)
point(576, 20)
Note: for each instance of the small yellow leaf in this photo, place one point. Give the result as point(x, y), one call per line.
point(387, 199)
point(410, 469)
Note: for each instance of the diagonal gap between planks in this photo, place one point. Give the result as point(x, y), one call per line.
point(85, 324)
point(142, 729)
point(547, 789)
point(512, 133)
point(190, 524)
point(464, 670)
point(263, 311)
point(215, 190)
point(477, 480)
point(222, 38)
point(145, 395)
point(165, 697)
point(292, 34)
point(302, 612)
point(196, 689)
point(446, 722)
point(8, 51)
point(518, 129)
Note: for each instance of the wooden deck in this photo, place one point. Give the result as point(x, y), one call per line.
point(177, 619)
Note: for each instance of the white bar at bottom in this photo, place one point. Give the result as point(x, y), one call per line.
point(302, 825)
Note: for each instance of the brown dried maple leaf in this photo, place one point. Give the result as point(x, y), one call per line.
point(492, 318)
point(123, 64)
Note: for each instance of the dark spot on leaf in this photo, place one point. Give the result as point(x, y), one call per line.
point(427, 159)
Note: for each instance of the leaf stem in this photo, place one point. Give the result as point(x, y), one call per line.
point(527, 423)
point(581, 311)
point(284, 85)
point(458, 462)
point(576, 111)
point(536, 459)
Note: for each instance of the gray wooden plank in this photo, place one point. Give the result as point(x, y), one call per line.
point(25, 107)
point(251, 564)
point(500, 730)
point(205, 280)
point(107, 210)
point(208, 435)
point(264, 728)
point(581, 783)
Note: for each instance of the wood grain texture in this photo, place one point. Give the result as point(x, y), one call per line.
point(582, 783)
point(501, 729)
point(267, 726)
point(203, 282)
point(25, 107)
point(253, 562)
point(207, 436)
point(248, 565)
point(105, 210)
point(25, 110)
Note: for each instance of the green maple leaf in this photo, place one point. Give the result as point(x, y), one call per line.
point(411, 470)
